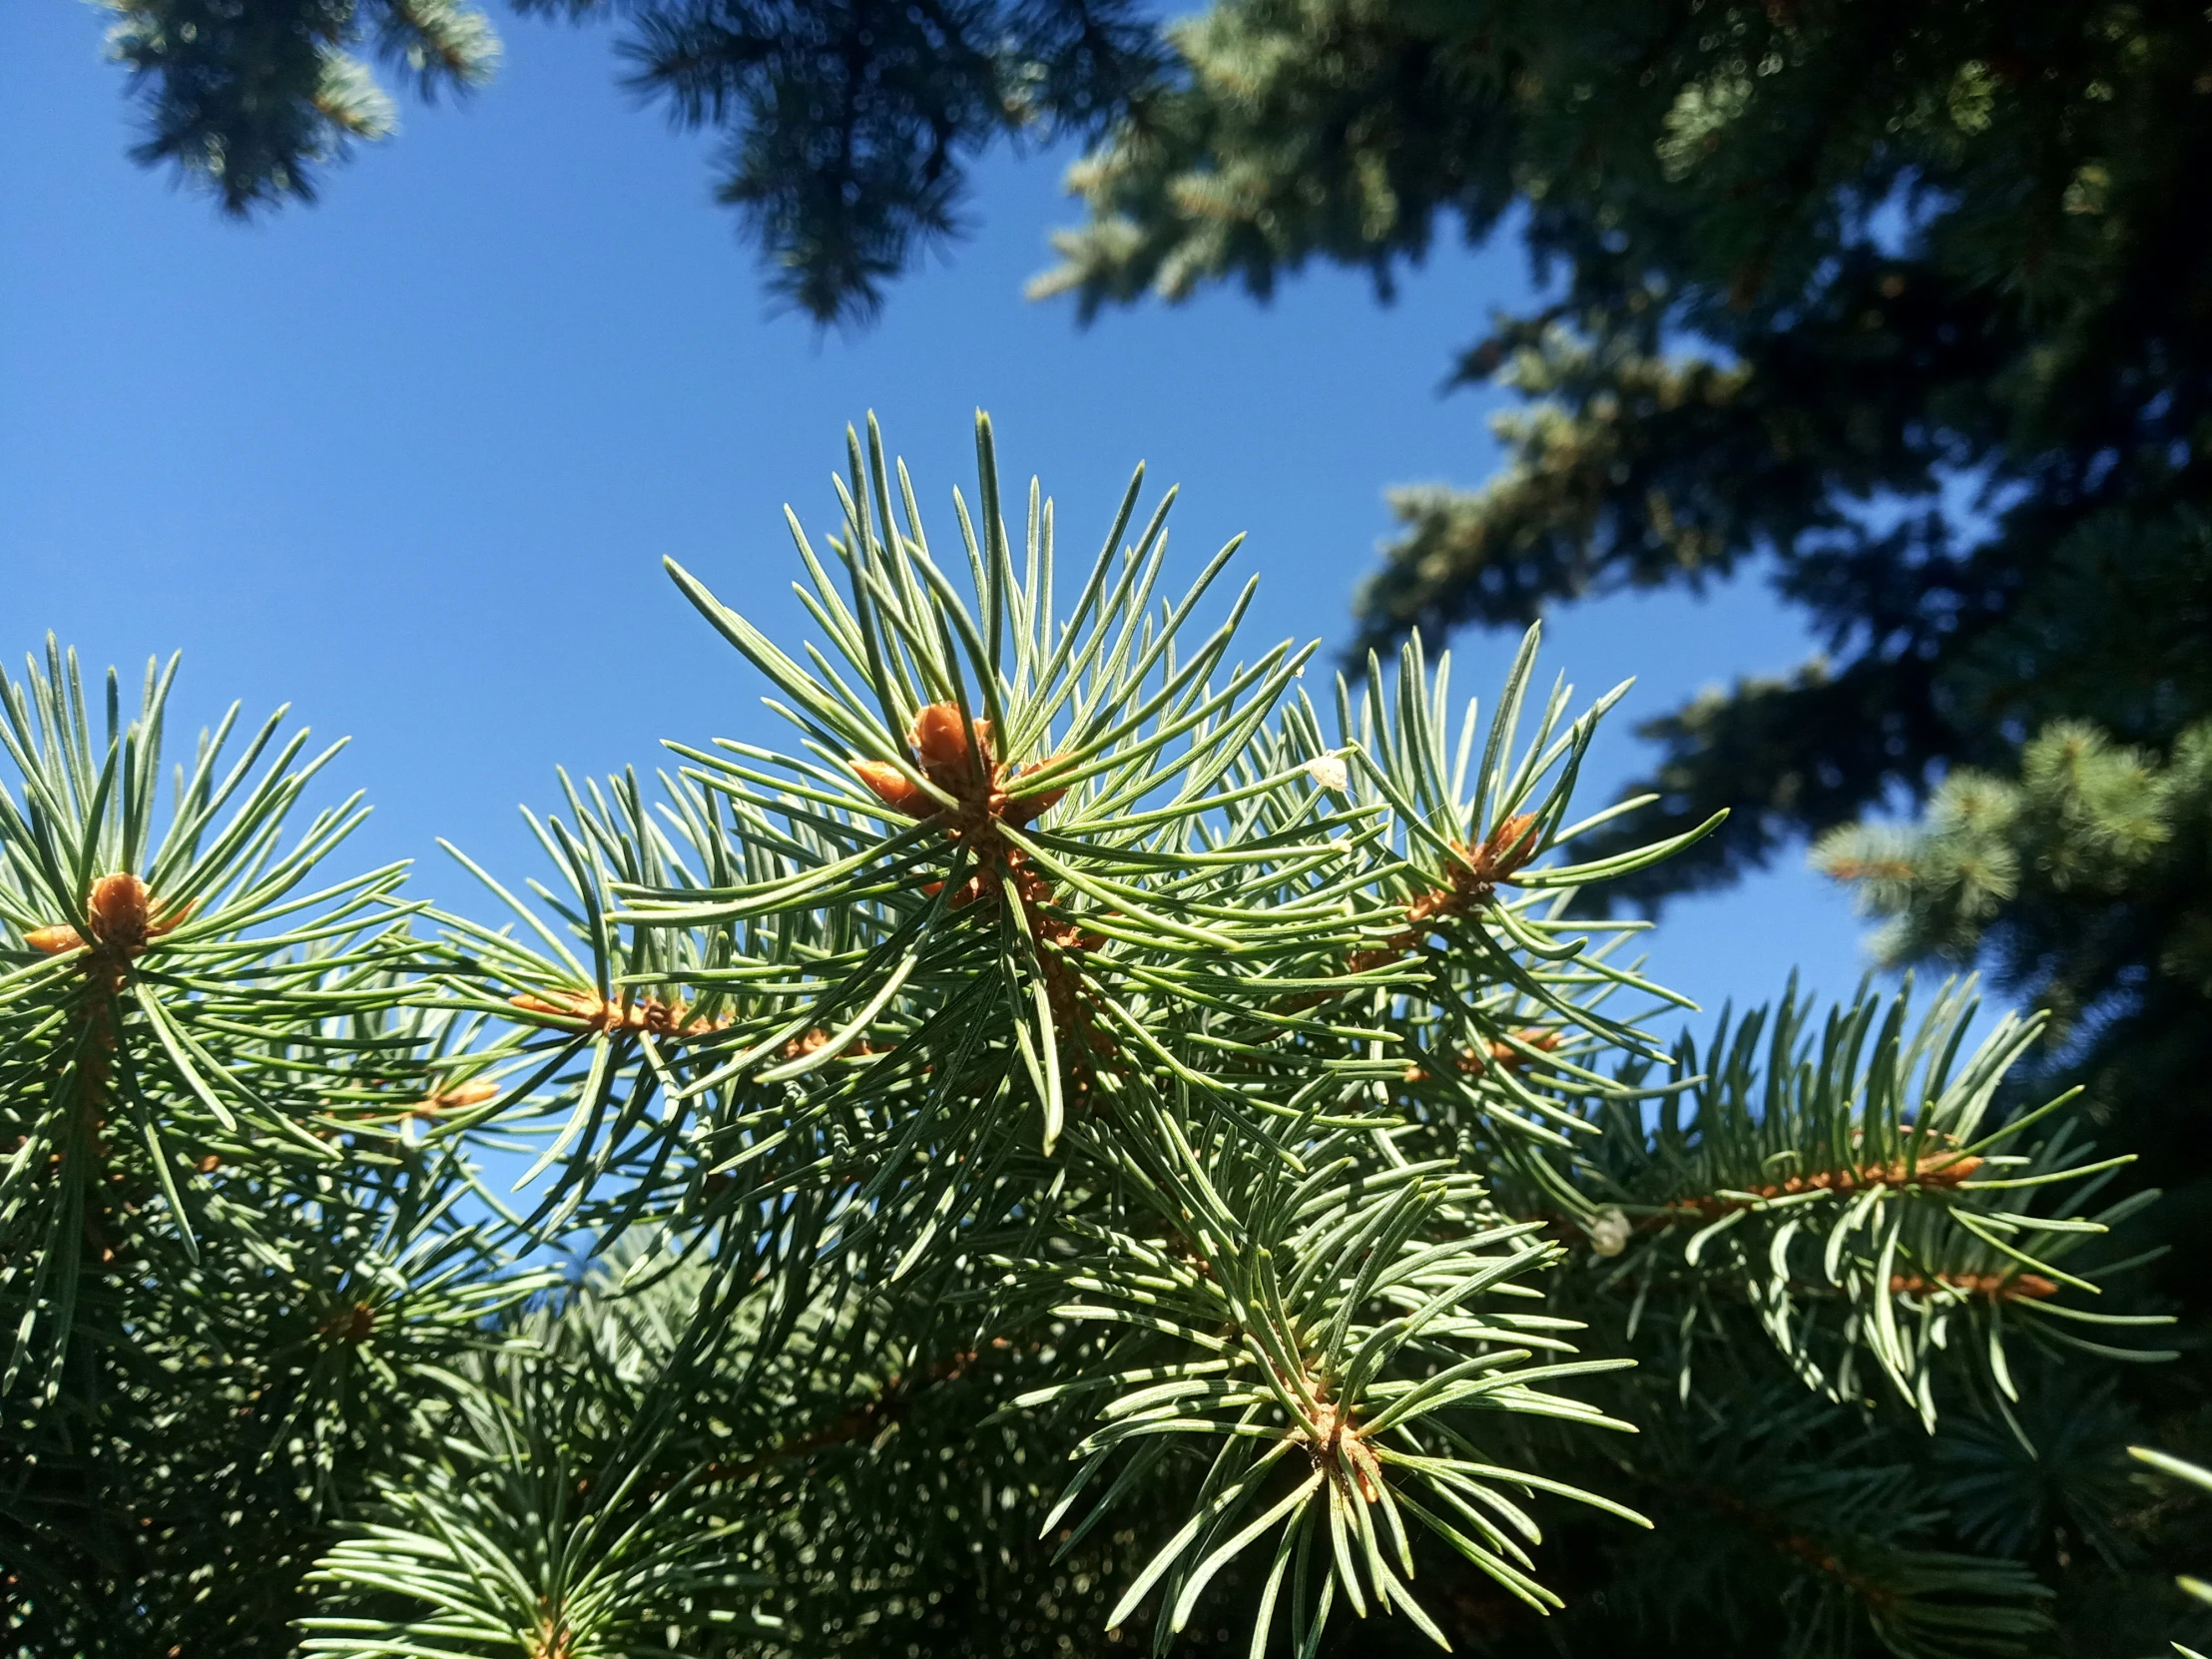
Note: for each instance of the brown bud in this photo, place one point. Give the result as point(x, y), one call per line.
point(891, 787)
point(1511, 844)
point(119, 914)
point(1505, 1056)
point(1024, 808)
point(459, 1096)
point(799, 1047)
point(943, 746)
point(982, 885)
point(118, 909)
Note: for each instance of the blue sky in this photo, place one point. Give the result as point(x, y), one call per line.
point(410, 459)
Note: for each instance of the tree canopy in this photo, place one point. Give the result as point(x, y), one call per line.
point(1084, 1147)
point(1904, 310)
point(847, 125)
point(1907, 311)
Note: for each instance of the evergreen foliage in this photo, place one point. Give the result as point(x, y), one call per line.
point(847, 126)
point(2196, 1477)
point(254, 100)
point(2089, 869)
point(1907, 309)
point(1083, 1150)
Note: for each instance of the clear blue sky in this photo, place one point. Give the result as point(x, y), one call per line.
point(410, 459)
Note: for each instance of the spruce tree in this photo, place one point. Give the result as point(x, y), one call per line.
point(1906, 309)
point(254, 100)
point(1086, 1148)
point(848, 126)
point(1903, 308)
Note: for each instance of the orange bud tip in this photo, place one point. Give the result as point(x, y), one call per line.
point(1513, 844)
point(812, 1042)
point(118, 907)
point(1023, 809)
point(940, 742)
point(889, 785)
point(118, 918)
point(463, 1095)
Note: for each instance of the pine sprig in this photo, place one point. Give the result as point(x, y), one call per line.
point(1863, 1193)
point(523, 1547)
point(1071, 1128)
point(1333, 1344)
point(178, 989)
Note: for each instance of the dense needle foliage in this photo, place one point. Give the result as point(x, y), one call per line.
point(1903, 307)
point(1085, 1148)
